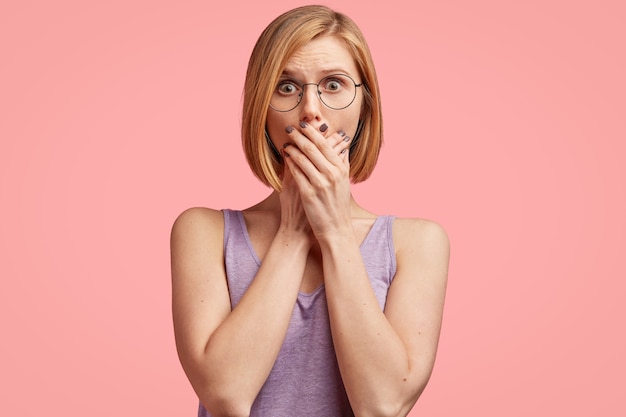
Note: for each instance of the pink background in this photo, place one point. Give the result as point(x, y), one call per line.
point(505, 122)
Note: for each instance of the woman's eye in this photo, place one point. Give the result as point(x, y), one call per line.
point(332, 85)
point(287, 88)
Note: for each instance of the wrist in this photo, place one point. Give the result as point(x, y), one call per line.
point(337, 240)
point(294, 238)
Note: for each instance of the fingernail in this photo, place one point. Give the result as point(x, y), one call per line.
point(323, 127)
point(343, 151)
point(342, 133)
point(289, 129)
point(286, 144)
point(346, 139)
point(303, 124)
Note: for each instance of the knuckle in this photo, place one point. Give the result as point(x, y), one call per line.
point(307, 147)
point(337, 175)
point(320, 182)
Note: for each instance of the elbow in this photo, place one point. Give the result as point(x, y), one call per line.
point(222, 400)
point(394, 406)
point(222, 406)
point(380, 411)
point(384, 409)
point(389, 410)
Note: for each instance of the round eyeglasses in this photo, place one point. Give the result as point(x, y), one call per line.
point(336, 91)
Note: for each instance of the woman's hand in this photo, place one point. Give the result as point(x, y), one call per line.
point(320, 168)
point(292, 214)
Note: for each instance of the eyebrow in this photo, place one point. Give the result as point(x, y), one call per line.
point(288, 73)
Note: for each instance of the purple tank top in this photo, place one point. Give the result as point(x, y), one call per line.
point(305, 380)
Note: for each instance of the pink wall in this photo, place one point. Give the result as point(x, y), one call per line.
point(505, 122)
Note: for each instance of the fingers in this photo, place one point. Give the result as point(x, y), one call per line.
point(295, 173)
point(343, 146)
point(323, 152)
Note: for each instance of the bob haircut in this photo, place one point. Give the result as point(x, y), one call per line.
point(278, 42)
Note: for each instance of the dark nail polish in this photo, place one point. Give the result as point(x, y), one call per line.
point(343, 151)
point(286, 144)
point(289, 129)
point(342, 133)
point(346, 139)
point(303, 124)
point(323, 127)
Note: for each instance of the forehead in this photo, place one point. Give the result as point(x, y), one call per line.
point(321, 56)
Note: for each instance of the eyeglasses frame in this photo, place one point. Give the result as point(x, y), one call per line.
point(319, 94)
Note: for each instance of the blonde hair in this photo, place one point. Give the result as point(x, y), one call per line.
point(278, 42)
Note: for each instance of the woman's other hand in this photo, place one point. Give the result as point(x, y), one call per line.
point(320, 167)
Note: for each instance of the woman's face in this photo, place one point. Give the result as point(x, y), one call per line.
point(310, 64)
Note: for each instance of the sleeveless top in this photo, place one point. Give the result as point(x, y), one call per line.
point(305, 380)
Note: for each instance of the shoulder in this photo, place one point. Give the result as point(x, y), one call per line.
point(416, 230)
point(420, 240)
point(198, 225)
point(198, 218)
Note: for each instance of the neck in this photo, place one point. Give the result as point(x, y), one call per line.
point(272, 203)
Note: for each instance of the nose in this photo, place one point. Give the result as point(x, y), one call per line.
point(310, 105)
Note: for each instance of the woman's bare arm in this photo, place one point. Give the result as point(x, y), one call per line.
point(226, 355)
point(386, 358)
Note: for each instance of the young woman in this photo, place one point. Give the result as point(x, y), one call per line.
point(307, 304)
